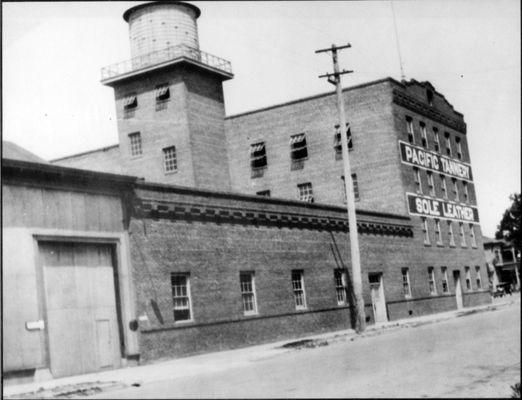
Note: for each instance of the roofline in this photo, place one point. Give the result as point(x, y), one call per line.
point(126, 14)
point(316, 96)
point(162, 187)
point(27, 166)
point(85, 153)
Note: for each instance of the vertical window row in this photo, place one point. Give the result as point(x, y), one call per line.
point(406, 290)
point(431, 281)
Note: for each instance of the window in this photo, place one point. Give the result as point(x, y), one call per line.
point(258, 155)
point(417, 179)
point(472, 235)
point(468, 278)
point(448, 144)
point(298, 149)
point(264, 193)
point(431, 281)
point(180, 284)
point(443, 187)
point(406, 282)
point(479, 278)
point(130, 102)
point(429, 95)
point(355, 186)
point(462, 237)
point(444, 272)
point(450, 234)
point(436, 142)
point(431, 185)
point(465, 191)
point(425, 231)
point(340, 286)
point(298, 287)
point(135, 144)
point(337, 139)
point(248, 293)
point(459, 148)
point(162, 92)
point(409, 129)
point(305, 192)
point(424, 136)
point(438, 233)
point(169, 159)
point(455, 189)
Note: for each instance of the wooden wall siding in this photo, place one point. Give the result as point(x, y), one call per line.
point(57, 209)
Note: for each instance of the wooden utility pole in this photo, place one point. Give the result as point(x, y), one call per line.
point(360, 319)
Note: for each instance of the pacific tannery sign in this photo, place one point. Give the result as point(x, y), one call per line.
point(441, 209)
point(422, 158)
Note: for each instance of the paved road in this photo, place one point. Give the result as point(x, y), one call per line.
point(473, 356)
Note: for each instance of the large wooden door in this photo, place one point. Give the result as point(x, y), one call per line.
point(378, 300)
point(81, 308)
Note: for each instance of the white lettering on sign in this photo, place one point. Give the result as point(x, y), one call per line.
point(420, 205)
point(432, 161)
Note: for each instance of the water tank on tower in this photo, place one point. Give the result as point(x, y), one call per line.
point(160, 24)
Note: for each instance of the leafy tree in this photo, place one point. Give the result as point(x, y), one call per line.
point(509, 227)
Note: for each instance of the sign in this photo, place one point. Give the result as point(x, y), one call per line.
point(426, 159)
point(441, 209)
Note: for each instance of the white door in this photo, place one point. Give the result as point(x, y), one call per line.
point(458, 289)
point(81, 308)
point(378, 300)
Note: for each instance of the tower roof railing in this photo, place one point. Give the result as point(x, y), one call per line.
point(167, 54)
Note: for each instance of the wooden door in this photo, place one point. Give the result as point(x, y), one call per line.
point(378, 300)
point(81, 308)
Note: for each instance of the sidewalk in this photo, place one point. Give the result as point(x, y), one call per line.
point(219, 361)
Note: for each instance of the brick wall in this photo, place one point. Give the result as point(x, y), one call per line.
point(213, 253)
point(160, 127)
point(373, 158)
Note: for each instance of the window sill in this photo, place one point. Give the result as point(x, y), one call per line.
point(408, 296)
point(136, 156)
point(301, 308)
point(250, 314)
point(171, 172)
point(440, 244)
point(427, 244)
point(452, 246)
point(183, 322)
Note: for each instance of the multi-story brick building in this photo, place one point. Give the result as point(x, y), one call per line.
point(202, 258)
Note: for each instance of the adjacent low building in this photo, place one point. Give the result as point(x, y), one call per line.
point(503, 263)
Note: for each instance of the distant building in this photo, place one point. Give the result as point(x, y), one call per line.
point(237, 233)
point(503, 263)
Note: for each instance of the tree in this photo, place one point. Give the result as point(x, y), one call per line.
point(509, 227)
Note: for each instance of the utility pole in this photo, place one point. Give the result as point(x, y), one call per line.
point(360, 320)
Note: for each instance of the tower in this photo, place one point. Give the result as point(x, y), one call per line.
point(169, 99)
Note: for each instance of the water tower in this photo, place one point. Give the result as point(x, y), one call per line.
point(169, 99)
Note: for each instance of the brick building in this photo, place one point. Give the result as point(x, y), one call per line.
point(237, 233)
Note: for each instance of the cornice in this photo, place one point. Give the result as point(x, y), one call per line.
point(157, 209)
point(402, 99)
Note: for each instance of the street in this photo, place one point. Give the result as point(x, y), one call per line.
point(477, 355)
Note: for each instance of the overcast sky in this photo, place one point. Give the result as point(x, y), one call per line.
point(54, 105)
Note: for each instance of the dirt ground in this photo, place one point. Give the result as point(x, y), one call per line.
point(476, 355)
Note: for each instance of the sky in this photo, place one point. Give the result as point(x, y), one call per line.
point(54, 105)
